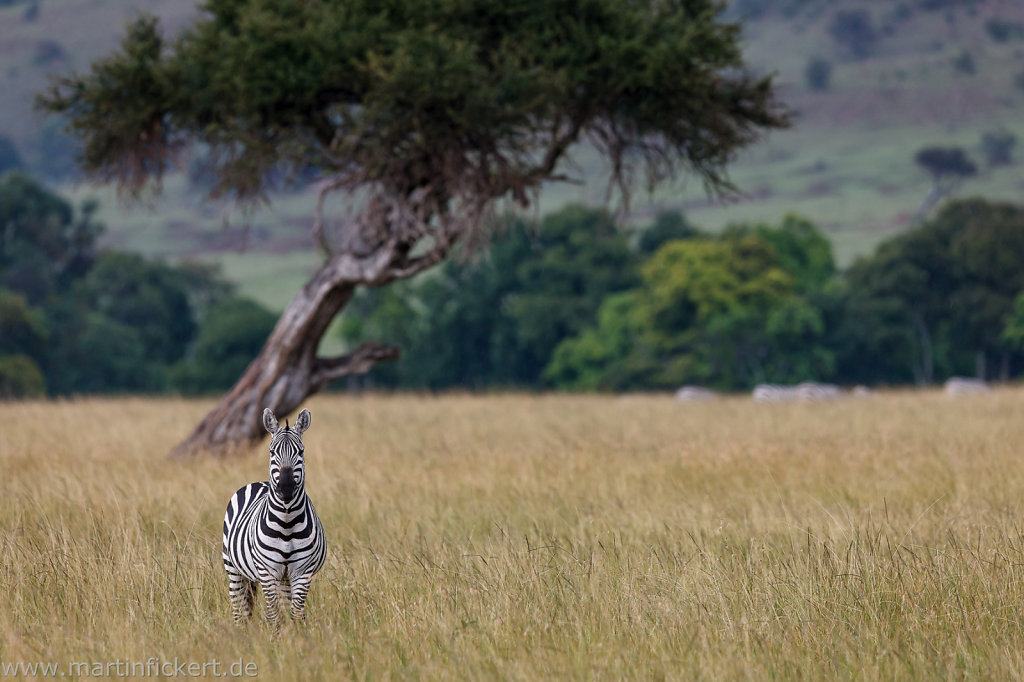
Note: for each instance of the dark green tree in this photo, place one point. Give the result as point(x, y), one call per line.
point(731, 312)
point(667, 225)
point(430, 111)
point(45, 242)
point(23, 329)
point(230, 337)
point(146, 296)
point(20, 377)
point(934, 301)
point(495, 320)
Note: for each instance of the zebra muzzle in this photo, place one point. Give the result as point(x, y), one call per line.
point(286, 485)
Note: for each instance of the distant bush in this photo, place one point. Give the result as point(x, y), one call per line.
point(964, 63)
point(667, 226)
point(818, 74)
point(1018, 81)
point(854, 30)
point(47, 52)
point(935, 5)
point(230, 337)
point(997, 147)
point(20, 377)
point(943, 162)
point(1002, 30)
point(23, 329)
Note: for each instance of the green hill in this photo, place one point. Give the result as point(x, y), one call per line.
point(891, 78)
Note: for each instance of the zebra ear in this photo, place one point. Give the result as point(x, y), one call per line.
point(270, 421)
point(302, 423)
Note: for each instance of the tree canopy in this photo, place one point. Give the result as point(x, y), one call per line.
point(424, 114)
point(465, 100)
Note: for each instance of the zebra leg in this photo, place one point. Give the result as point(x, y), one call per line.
point(300, 587)
point(271, 595)
point(241, 592)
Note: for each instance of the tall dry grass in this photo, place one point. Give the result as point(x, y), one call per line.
point(518, 537)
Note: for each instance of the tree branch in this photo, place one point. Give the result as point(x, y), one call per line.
point(359, 361)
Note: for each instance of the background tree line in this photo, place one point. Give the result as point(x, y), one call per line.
point(78, 319)
point(571, 301)
point(574, 302)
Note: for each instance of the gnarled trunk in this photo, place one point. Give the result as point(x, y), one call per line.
point(287, 370)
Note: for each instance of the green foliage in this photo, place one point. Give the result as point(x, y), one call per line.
point(23, 329)
point(400, 92)
point(667, 226)
point(45, 243)
point(1012, 335)
point(20, 377)
point(91, 353)
point(945, 162)
point(932, 302)
point(115, 322)
point(727, 312)
point(230, 337)
point(146, 296)
point(496, 321)
point(803, 251)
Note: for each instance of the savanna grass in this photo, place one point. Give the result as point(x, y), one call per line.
point(524, 537)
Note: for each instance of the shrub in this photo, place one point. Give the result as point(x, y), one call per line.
point(818, 74)
point(1001, 30)
point(230, 337)
point(964, 63)
point(20, 377)
point(854, 30)
point(997, 146)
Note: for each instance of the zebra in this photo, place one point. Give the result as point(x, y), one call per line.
point(965, 386)
point(806, 391)
point(694, 394)
point(272, 535)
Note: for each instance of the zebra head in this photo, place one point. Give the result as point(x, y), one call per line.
point(287, 468)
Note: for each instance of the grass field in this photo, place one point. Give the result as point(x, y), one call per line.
point(518, 537)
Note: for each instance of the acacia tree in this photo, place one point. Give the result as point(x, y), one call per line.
point(423, 113)
point(949, 167)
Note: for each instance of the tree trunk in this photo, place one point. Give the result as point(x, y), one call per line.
point(287, 370)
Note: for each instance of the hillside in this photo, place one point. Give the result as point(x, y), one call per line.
point(925, 72)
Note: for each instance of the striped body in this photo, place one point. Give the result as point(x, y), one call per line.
point(272, 535)
point(806, 391)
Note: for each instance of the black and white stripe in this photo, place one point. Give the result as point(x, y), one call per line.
point(272, 536)
point(806, 391)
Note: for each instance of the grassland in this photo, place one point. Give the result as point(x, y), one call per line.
point(518, 537)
